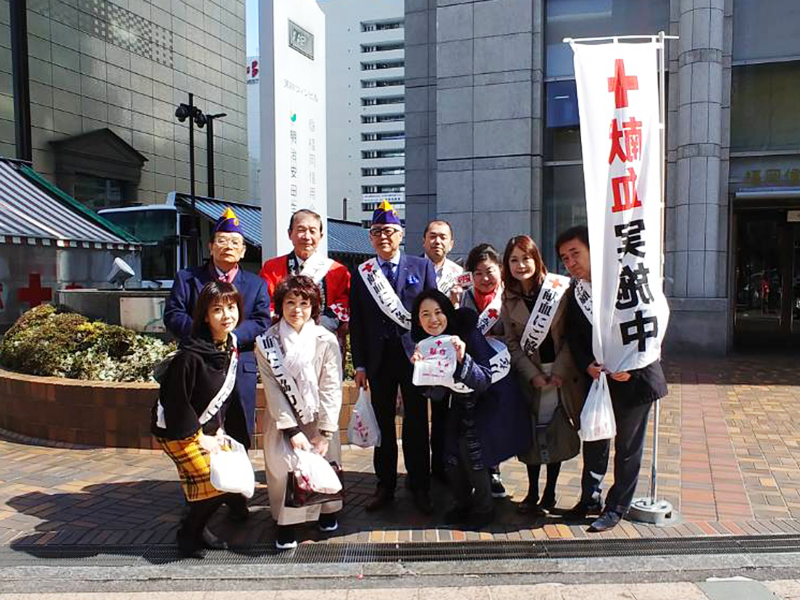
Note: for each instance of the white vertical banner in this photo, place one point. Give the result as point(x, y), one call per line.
point(618, 102)
point(292, 111)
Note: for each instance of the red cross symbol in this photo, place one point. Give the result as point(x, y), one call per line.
point(438, 342)
point(492, 313)
point(621, 83)
point(34, 294)
point(557, 283)
point(368, 267)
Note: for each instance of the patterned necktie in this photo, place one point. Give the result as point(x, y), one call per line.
point(389, 271)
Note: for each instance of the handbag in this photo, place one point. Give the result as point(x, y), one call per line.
point(231, 470)
point(299, 494)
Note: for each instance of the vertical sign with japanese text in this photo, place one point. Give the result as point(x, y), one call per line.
point(618, 102)
point(292, 107)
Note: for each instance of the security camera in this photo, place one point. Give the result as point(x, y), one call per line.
point(120, 273)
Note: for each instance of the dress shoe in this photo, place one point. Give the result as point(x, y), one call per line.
point(379, 500)
point(422, 500)
point(285, 540)
point(212, 542)
point(480, 520)
point(548, 502)
point(498, 489)
point(328, 522)
point(456, 515)
point(608, 520)
point(582, 510)
point(530, 506)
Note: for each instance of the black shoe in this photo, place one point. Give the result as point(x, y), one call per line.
point(238, 511)
point(498, 489)
point(456, 516)
point(382, 498)
point(548, 502)
point(190, 548)
point(608, 520)
point(285, 539)
point(530, 505)
point(212, 542)
point(422, 500)
point(440, 475)
point(328, 522)
point(582, 510)
point(481, 520)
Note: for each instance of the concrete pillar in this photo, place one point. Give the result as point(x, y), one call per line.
point(698, 154)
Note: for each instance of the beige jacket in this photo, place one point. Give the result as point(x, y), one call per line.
point(515, 316)
point(279, 415)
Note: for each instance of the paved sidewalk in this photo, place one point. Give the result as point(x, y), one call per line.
point(728, 459)
point(723, 590)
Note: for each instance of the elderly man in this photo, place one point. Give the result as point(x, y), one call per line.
point(381, 297)
point(333, 278)
point(227, 249)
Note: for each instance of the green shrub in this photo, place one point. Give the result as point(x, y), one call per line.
point(47, 342)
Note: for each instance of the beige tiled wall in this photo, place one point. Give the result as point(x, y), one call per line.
point(125, 65)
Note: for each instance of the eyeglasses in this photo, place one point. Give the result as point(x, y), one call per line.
point(228, 242)
point(385, 232)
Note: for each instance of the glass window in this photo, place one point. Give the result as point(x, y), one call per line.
point(562, 136)
point(564, 206)
point(765, 30)
point(765, 107)
point(590, 18)
point(98, 192)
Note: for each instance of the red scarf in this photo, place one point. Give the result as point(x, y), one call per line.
point(483, 300)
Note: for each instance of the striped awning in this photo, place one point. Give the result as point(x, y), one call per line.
point(31, 215)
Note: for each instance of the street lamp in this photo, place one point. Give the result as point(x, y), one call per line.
point(210, 149)
point(196, 117)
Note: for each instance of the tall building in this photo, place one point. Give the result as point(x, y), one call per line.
point(105, 79)
point(494, 147)
point(366, 105)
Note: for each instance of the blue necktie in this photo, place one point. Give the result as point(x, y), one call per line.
point(388, 270)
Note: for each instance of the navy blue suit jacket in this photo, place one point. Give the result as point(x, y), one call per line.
point(370, 328)
point(178, 321)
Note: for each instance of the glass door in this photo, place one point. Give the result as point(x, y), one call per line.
point(794, 304)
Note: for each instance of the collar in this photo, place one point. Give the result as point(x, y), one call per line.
point(220, 273)
point(395, 260)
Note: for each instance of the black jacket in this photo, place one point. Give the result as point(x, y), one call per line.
point(647, 384)
point(194, 377)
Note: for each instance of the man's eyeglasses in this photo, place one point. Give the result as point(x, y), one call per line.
point(385, 232)
point(228, 242)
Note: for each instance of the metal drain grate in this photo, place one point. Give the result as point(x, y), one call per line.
point(266, 554)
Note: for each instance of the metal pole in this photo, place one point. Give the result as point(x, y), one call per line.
point(210, 150)
point(22, 96)
point(195, 233)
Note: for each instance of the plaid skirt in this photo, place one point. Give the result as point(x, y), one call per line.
point(194, 467)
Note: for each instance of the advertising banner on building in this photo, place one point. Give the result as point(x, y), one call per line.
point(618, 103)
point(292, 102)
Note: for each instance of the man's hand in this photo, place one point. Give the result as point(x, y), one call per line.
point(594, 370)
point(555, 381)
point(416, 356)
point(455, 295)
point(361, 380)
point(539, 381)
point(300, 442)
point(622, 376)
point(320, 444)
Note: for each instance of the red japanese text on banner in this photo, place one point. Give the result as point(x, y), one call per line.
point(619, 115)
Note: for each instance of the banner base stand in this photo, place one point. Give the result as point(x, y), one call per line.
point(658, 512)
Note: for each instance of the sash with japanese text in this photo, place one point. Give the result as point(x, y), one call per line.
point(619, 113)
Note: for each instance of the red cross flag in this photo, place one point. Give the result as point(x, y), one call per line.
point(619, 114)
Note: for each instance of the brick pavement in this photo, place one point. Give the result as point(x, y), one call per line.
point(728, 461)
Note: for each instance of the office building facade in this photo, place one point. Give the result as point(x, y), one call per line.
point(493, 144)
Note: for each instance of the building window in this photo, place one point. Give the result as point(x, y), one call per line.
point(765, 30)
point(383, 100)
point(382, 47)
point(378, 83)
point(564, 204)
point(367, 154)
point(381, 25)
point(382, 171)
point(589, 18)
point(383, 64)
point(382, 189)
point(98, 192)
point(382, 135)
point(765, 111)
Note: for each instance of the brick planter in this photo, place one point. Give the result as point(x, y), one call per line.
point(98, 413)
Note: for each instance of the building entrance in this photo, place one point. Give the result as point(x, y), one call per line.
point(767, 278)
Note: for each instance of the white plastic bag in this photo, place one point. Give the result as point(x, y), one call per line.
point(316, 472)
point(231, 470)
point(597, 417)
point(363, 428)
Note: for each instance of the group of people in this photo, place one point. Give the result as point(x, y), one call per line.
point(522, 343)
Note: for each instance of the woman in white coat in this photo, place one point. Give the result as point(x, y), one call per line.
point(301, 369)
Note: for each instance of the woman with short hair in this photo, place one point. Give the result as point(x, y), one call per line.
point(301, 369)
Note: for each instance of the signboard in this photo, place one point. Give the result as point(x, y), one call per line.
point(291, 73)
point(253, 70)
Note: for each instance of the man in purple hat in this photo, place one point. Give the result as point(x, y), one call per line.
point(227, 248)
point(381, 296)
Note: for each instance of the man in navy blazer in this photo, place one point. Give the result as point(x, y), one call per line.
point(377, 325)
point(227, 248)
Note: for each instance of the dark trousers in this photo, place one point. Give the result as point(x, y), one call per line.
point(471, 487)
point(438, 422)
point(553, 470)
point(190, 532)
point(396, 370)
point(628, 448)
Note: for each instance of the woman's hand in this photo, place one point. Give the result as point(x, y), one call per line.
point(455, 295)
point(539, 381)
point(555, 381)
point(320, 444)
point(300, 442)
point(460, 346)
point(622, 376)
point(209, 443)
point(416, 356)
point(594, 370)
